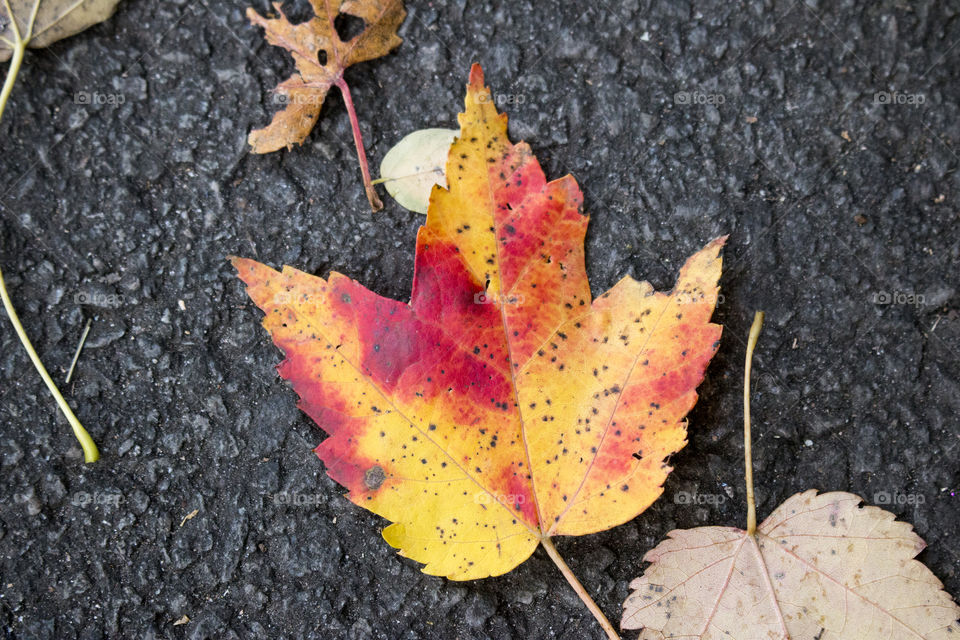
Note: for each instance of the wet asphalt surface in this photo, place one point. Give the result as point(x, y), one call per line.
point(822, 136)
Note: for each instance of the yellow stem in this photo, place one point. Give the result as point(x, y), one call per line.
point(572, 579)
point(18, 50)
point(747, 450)
point(90, 452)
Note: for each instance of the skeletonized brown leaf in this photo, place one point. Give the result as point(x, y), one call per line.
point(304, 92)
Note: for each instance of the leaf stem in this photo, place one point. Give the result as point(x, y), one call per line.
point(18, 50)
point(375, 202)
point(747, 449)
point(90, 452)
point(581, 591)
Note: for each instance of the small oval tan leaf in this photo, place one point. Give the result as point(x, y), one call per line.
point(415, 164)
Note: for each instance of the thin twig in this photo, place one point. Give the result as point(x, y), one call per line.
point(572, 579)
point(76, 356)
point(747, 450)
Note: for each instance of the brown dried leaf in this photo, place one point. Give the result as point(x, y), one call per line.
point(305, 90)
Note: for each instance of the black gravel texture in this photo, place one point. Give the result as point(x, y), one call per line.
point(822, 136)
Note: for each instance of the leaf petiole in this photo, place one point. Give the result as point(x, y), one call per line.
point(90, 452)
point(747, 449)
point(372, 196)
point(19, 47)
point(18, 50)
point(579, 588)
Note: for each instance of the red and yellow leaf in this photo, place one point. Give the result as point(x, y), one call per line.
point(502, 405)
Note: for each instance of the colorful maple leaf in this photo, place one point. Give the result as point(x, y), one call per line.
point(501, 406)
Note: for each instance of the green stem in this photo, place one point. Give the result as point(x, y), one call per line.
point(18, 50)
point(90, 452)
